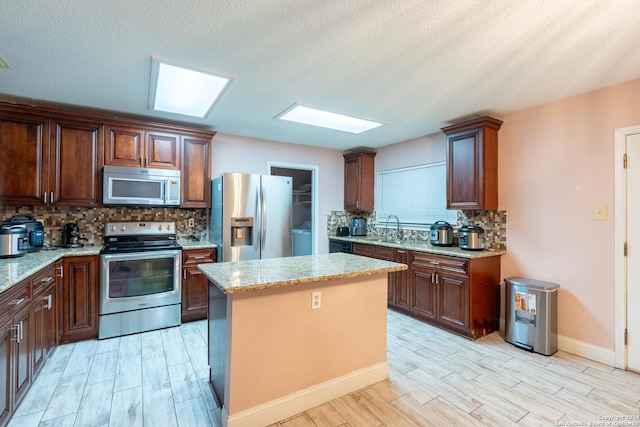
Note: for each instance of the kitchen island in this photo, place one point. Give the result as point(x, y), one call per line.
point(288, 334)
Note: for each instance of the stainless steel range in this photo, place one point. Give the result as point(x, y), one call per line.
point(140, 284)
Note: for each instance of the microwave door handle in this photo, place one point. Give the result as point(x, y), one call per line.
point(165, 190)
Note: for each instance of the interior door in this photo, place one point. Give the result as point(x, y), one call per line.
point(633, 254)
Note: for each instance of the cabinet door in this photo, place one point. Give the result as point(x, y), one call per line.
point(24, 144)
point(80, 299)
point(43, 283)
point(196, 175)
point(124, 146)
point(351, 184)
point(453, 303)
point(401, 282)
point(464, 177)
point(162, 150)
point(359, 178)
point(423, 292)
point(7, 334)
point(195, 295)
point(76, 160)
point(44, 326)
point(22, 355)
point(59, 274)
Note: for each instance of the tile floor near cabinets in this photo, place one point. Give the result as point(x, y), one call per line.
point(159, 378)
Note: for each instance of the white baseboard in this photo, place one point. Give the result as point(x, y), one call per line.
point(311, 397)
point(586, 350)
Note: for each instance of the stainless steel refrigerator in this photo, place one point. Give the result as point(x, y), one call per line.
point(251, 216)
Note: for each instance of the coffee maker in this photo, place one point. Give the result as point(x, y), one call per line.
point(71, 236)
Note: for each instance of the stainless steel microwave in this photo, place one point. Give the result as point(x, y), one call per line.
point(122, 185)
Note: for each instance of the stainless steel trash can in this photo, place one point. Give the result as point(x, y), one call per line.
point(531, 314)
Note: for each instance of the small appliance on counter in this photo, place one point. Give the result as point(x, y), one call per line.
point(471, 237)
point(441, 234)
point(13, 240)
point(342, 231)
point(358, 227)
point(33, 228)
point(71, 236)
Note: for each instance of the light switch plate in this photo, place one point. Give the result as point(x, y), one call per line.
point(600, 213)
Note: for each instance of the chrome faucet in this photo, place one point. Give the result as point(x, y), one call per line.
point(386, 228)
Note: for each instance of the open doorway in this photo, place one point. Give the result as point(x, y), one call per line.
point(304, 196)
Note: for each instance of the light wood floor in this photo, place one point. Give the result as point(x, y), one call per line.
point(160, 379)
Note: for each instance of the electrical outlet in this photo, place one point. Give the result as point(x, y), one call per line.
point(600, 213)
point(315, 300)
point(192, 223)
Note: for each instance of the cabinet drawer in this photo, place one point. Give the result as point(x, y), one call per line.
point(384, 253)
point(362, 249)
point(198, 256)
point(444, 263)
point(42, 279)
point(14, 299)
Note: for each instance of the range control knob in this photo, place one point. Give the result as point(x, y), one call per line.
point(160, 227)
point(123, 227)
point(113, 228)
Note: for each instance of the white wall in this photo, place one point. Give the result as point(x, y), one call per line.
point(231, 153)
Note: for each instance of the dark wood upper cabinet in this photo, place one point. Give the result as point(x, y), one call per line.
point(40, 160)
point(472, 164)
point(139, 147)
point(162, 150)
point(359, 180)
point(124, 146)
point(24, 146)
point(196, 181)
point(53, 157)
point(76, 143)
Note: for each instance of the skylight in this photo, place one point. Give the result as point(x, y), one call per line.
point(182, 90)
point(312, 116)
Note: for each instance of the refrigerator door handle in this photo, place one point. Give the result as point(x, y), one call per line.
point(263, 224)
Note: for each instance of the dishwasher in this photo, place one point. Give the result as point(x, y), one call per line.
point(336, 246)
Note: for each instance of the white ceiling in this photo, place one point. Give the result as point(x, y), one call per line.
point(414, 65)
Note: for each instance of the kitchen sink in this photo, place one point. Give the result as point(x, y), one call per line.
point(388, 241)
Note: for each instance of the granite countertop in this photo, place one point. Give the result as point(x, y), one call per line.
point(202, 244)
point(255, 275)
point(421, 246)
point(14, 270)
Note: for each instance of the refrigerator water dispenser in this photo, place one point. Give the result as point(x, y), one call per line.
point(241, 231)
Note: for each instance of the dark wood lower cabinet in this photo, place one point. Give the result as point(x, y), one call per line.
point(461, 295)
point(80, 293)
point(31, 314)
point(195, 285)
point(15, 347)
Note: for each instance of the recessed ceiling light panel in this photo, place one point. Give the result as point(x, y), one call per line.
point(184, 90)
point(326, 119)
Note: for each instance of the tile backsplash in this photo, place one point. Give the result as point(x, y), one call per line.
point(494, 224)
point(91, 220)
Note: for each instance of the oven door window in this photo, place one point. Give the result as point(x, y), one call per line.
point(133, 278)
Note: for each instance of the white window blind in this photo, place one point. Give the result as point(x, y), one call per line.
point(416, 195)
